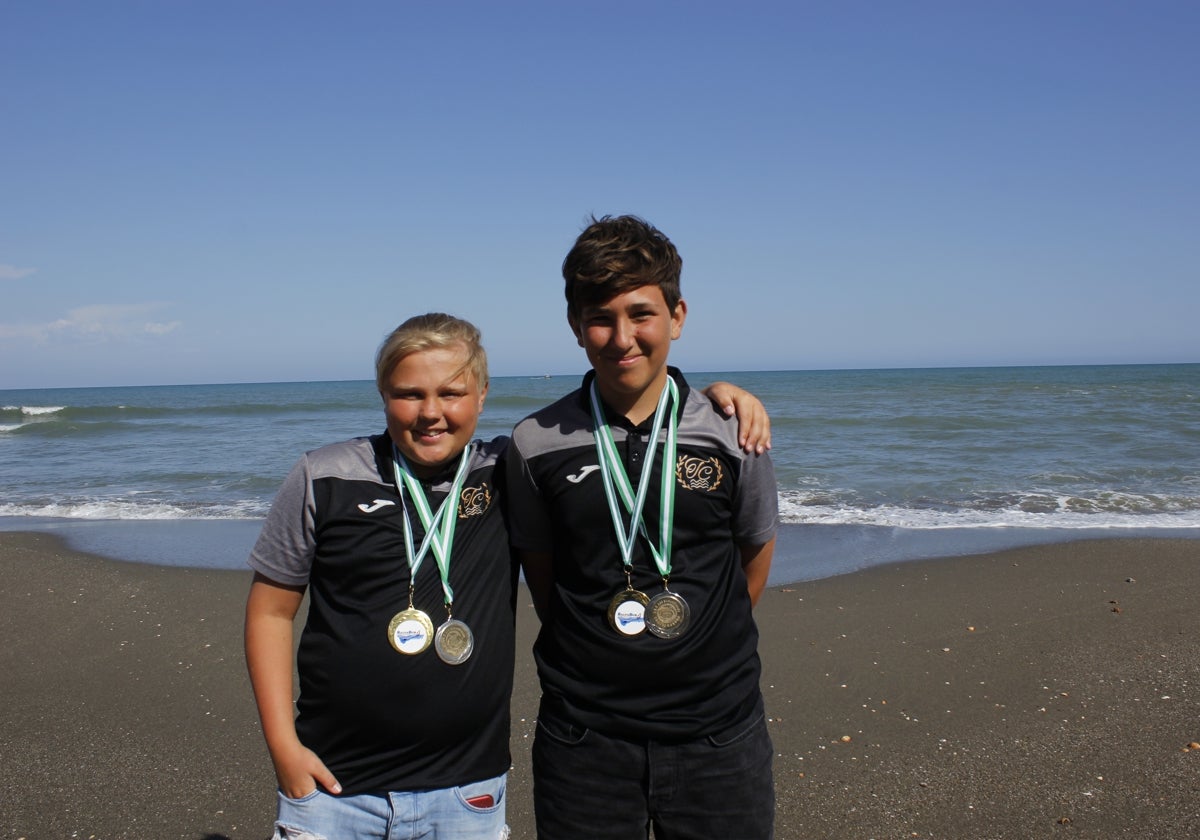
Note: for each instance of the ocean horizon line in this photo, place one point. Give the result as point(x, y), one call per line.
point(582, 369)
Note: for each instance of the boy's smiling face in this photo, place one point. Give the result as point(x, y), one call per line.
point(627, 339)
point(432, 403)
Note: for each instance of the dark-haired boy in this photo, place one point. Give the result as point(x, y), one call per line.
point(646, 536)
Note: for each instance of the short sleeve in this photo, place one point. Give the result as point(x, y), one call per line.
point(286, 545)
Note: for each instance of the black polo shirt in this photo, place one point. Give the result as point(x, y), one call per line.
point(380, 720)
point(643, 686)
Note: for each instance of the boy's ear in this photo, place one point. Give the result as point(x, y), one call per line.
point(677, 319)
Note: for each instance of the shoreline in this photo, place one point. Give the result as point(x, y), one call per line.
point(804, 552)
point(1067, 708)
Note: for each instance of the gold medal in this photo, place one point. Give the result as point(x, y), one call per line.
point(627, 612)
point(454, 642)
point(410, 631)
point(667, 615)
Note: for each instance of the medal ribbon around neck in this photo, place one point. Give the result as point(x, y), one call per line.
point(616, 480)
point(439, 526)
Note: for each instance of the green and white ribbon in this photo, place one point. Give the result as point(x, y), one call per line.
point(616, 480)
point(439, 526)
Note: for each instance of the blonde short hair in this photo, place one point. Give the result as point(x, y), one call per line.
point(432, 331)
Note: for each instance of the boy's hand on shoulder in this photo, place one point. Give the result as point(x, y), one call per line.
point(300, 772)
point(754, 424)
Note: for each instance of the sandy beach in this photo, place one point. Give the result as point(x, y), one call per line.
point(1040, 692)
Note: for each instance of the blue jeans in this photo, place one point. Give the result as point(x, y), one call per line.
point(589, 785)
point(428, 815)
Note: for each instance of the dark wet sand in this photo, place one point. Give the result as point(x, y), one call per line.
point(1040, 692)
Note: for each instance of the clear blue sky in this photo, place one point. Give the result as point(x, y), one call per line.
point(258, 191)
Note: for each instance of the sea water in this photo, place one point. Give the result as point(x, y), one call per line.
point(873, 465)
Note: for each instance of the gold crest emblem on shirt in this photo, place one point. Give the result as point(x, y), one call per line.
point(473, 501)
point(694, 473)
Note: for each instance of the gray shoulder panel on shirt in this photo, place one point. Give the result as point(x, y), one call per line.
point(560, 425)
point(353, 460)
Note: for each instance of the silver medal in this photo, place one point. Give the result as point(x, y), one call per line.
point(454, 642)
point(667, 615)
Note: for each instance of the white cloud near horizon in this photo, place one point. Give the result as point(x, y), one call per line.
point(97, 322)
point(12, 272)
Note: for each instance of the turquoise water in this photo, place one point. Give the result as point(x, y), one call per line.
point(872, 465)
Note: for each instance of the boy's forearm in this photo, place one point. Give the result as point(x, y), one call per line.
point(756, 563)
point(270, 612)
point(269, 646)
point(269, 659)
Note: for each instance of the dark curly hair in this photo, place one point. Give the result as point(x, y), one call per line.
point(615, 254)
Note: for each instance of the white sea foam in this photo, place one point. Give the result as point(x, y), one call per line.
point(120, 509)
point(38, 410)
point(796, 509)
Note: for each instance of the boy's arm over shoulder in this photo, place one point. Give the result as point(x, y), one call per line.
point(754, 424)
point(756, 518)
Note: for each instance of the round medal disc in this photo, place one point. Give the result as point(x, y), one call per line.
point(454, 642)
point(627, 612)
point(410, 631)
point(667, 615)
